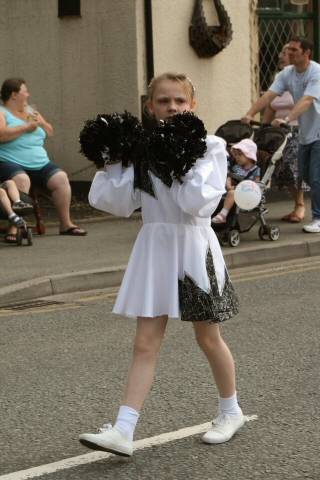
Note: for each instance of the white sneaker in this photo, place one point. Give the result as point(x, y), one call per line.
point(313, 227)
point(108, 439)
point(223, 428)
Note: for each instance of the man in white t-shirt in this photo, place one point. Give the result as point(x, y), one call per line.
point(302, 80)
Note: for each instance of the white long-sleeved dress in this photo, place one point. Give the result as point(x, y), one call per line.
point(176, 267)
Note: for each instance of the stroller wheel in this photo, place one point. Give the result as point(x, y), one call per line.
point(273, 233)
point(29, 236)
point(263, 232)
point(19, 237)
point(269, 232)
point(234, 238)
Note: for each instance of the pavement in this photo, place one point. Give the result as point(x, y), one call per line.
point(57, 264)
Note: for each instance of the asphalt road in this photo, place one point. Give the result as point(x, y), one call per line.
point(62, 368)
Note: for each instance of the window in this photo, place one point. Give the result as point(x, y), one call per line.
point(68, 7)
point(278, 21)
point(290, 6)
point(269, 4)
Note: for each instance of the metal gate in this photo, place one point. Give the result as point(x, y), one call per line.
point(278, 21)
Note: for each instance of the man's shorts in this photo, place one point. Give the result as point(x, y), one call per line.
point(39, 177)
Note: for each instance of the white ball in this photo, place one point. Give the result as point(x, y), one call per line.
point(247, 195)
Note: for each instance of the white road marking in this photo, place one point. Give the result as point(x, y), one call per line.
point(97, 456)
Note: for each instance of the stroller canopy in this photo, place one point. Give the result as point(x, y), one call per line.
point(234, 131)
point(270, 139)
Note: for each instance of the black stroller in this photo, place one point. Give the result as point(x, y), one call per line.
point(24, 233)
point(271, 142)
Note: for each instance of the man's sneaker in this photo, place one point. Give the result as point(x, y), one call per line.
point(313, 227)
point(108, 439)
point(223, 428)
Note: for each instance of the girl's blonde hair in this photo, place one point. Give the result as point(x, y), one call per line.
point(175, 77)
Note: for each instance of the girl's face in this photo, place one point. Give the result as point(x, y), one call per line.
point(240, 158)
point(169, 98)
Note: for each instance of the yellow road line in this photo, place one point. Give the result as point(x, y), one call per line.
point(240, 277)
point(273, 274)
point(6, 311)
point(275, 269)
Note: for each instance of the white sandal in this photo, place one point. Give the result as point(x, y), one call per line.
point(219, 218)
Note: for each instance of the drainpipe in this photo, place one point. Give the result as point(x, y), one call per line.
point(316, 38)
point(149, 39)
point(147, 120)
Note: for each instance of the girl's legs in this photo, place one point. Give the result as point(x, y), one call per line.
point(5, 202)
point(230, 417)
point(227, 205)
point(13, 192)
point(147, 343)
point(218, 355)
point(22, 182)
point(146, 347)
point(18, 205)
point(13, 218)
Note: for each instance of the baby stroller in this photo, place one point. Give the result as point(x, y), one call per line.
point(24, 233)
point(271, 142)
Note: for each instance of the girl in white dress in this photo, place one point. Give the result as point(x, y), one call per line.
point(176, 270)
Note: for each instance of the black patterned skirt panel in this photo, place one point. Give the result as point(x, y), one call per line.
point(197, 305)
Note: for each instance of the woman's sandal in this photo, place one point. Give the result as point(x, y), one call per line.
point(74, 231)
point(293, 217)
point(286, 218)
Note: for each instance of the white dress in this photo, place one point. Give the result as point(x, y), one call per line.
point(176, 267)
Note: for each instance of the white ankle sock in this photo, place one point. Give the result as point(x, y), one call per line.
point(126, 421)
point(229, 405)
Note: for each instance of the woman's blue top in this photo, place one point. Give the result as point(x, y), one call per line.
point(27, 149)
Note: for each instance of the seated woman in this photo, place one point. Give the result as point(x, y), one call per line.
point(23, 157)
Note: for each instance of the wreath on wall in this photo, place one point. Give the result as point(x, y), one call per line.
point(207, 40)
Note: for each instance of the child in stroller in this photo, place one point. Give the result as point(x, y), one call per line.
point(270, 142)
point(242, 166)
point(10, 206)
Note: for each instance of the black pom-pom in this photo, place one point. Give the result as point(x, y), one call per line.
point(111, 137)
point(175, 145)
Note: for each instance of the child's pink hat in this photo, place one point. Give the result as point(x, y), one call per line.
point(248, 147)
